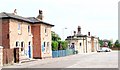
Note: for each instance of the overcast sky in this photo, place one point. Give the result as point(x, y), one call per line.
point(100, 17)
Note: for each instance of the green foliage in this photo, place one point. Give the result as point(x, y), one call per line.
point(64, 45)
point(54, 45)
point(101, 43)
point(117, 44)
point(57, 44)
point(55, 37)
point(110, 44)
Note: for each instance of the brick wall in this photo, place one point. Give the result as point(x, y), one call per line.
point(8, 57)
point(20, 36)
point(36, 41)
point(5, 33)
point(114, 48)
point(0, 31)
point(46, 37)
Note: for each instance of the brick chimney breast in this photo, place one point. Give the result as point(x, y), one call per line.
point(88, 33)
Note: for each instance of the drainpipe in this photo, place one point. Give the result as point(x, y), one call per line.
point(86, 44)
point(83, 46)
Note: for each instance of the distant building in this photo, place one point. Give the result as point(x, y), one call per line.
point(83, 43)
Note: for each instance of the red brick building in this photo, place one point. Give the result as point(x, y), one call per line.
point(31, 35)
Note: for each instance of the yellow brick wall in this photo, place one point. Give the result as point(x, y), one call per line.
point(24, 36)
point(46, 37)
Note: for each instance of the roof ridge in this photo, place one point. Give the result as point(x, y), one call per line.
point(5, 14)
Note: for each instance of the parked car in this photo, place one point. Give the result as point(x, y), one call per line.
point(104, 49)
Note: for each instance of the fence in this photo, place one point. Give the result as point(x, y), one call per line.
point(61, 53)
point(115, 48)
point(8, 57)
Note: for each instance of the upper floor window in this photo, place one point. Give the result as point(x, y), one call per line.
point(45, 30)
point(19, 26)
point(28, 28)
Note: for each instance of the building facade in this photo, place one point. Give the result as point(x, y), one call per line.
point(83, 43)
point(31, 36)
point(41, 39)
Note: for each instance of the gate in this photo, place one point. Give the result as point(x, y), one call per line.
point(8, 56)
point(16, 55)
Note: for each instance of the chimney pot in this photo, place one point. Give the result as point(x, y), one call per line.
point(79, 30)
point(15, 12)
point(88, 33)
point(74, 33)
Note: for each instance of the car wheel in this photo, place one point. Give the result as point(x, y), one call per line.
point(106, 50)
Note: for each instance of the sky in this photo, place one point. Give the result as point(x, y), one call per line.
point(100, 17)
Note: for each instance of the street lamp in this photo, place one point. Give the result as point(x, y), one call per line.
point(63, 32)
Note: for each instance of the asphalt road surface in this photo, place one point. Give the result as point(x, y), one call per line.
point(85, 60)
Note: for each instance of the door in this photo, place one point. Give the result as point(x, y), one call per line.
point(16, 55)
point(29, 49)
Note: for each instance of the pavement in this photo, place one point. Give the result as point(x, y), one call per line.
point(27, 63)
point(82, 60)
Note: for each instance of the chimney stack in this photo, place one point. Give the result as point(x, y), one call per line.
point(88, 33)
point(40, 16)
point(79, 30)
point(15, 12)
point(74, 33)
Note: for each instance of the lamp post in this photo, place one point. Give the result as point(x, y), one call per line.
point(63, 32)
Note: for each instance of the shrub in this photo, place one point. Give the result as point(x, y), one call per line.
point(117, 44)
point(54, 45)
point(64, 45)
point(59, 45)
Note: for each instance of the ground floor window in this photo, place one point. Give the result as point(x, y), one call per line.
point(48, 47)
point(17, 44)
point(80, 44)
point(22, 46)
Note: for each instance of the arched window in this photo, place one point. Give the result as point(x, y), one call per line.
point(22, 46)
point(17, 44)
point(80, 44)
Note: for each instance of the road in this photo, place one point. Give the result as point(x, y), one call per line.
point(86, 60)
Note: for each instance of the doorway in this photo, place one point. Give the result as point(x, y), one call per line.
point(29, 49)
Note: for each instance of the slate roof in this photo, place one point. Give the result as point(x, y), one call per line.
point(36, 21)
point(31, 20)
point(76, 37)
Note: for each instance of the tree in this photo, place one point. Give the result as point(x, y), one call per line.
point(55, 37)
point(101, 43)
point(57, 44)
point(117, 44)
point(110, 44)
point(54, 45)
point(64, 45)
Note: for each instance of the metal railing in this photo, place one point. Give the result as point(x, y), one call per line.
point(62, 53)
